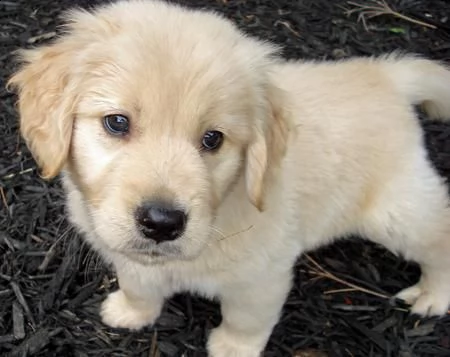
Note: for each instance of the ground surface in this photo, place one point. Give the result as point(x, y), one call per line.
point(51, 285)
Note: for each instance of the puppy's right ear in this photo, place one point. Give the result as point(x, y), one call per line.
point(45, 104)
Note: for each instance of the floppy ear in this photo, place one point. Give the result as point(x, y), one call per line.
point(45, 105)
point(268, 146)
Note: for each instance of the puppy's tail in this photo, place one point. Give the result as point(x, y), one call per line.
point(424, 82)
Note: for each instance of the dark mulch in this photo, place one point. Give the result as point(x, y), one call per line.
point(51, 285)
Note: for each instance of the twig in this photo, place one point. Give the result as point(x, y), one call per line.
point(288, 26)
point(349, 352)
point(323, 273)
point(44, 36)
point(375, 8)
point(5, 202)
point(337, 291)
point(14, 174)
point(326, 274)
point(154, 351)
point(236, 233)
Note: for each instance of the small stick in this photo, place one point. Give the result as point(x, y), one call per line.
point(13, 174)
point(378, 8)
point(326, 274)
point(323, 273)
point(337, 291)
point(5, 202)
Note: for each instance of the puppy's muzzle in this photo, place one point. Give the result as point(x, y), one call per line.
point(160, 221)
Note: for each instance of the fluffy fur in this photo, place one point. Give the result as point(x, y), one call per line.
point(312, 152)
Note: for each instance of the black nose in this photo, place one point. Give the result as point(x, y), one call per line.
point(160, 221)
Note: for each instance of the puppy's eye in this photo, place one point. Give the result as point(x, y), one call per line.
point(116, 124)
point(212, 140)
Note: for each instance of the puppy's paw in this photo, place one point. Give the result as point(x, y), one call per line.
point(222, 344)
point(116, 311)
point(410, 295)
point(425, 303)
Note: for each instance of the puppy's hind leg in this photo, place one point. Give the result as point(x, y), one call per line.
point(412, 217)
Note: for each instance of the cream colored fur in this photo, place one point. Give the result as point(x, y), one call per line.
point(313, 152)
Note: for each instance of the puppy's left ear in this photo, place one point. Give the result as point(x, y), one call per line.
point(268, 147)
point(45, 105)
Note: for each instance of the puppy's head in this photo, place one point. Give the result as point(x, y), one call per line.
point(153, 112)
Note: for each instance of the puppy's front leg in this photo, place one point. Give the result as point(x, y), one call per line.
point(249, 313)
point(136, 304)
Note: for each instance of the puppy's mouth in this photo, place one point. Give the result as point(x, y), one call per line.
point(152, 253)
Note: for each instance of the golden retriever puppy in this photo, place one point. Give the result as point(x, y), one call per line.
point(195, 159)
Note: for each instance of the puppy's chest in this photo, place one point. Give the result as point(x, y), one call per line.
point(189, 277)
